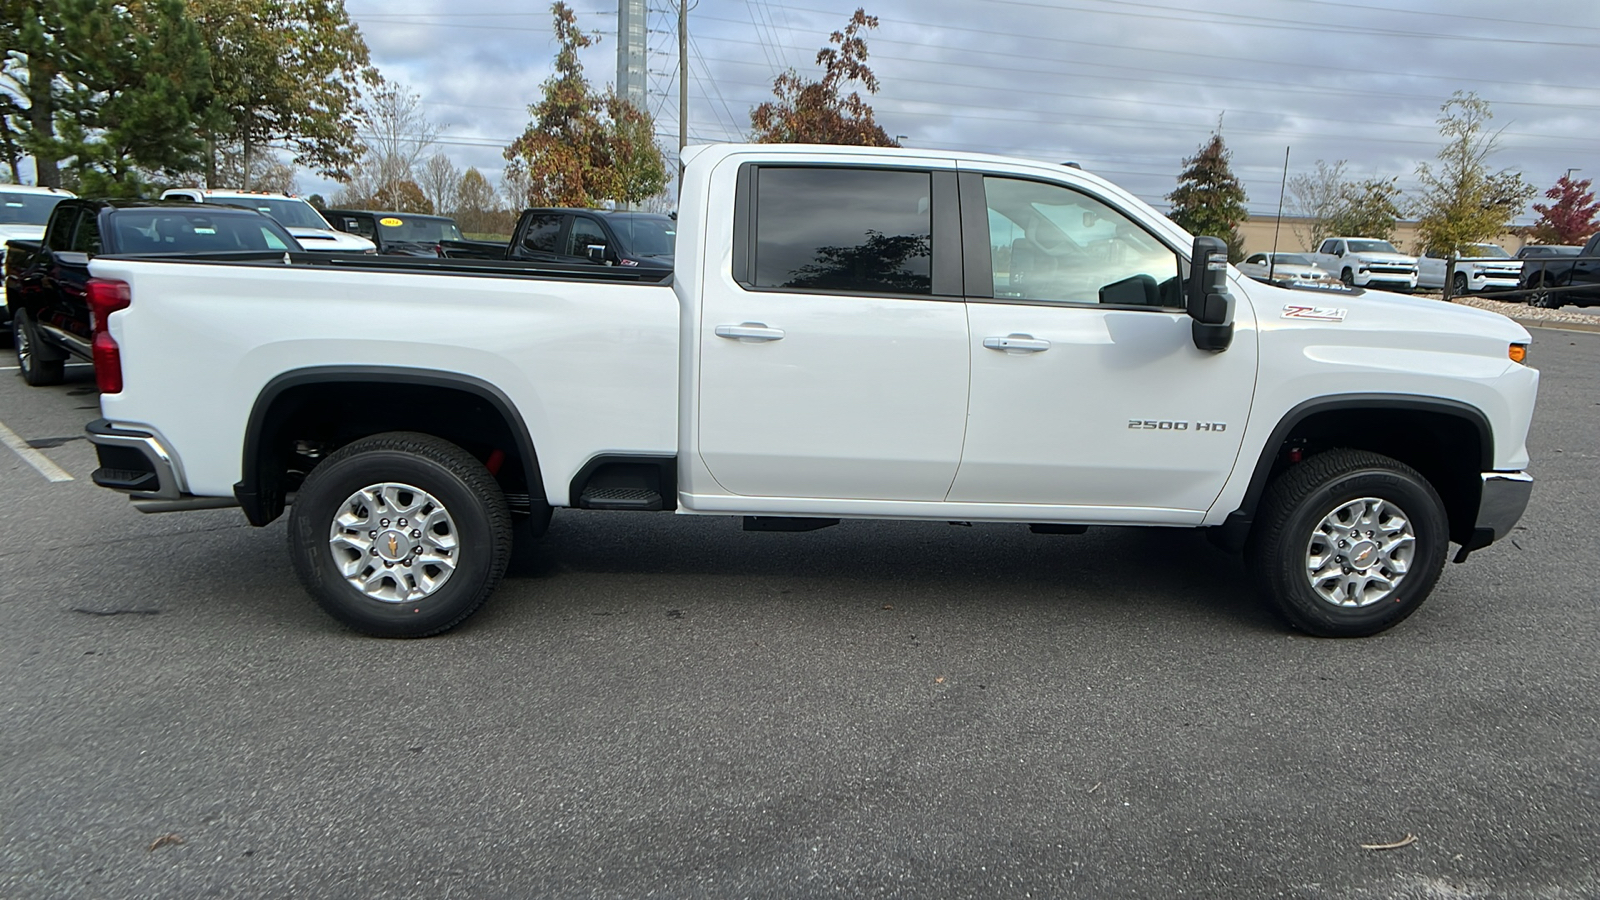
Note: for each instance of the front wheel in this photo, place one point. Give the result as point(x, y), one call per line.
point(1348, 543)
point(400, 535)
point(1459, 285)
point(1544, 298)
point(1348, 277)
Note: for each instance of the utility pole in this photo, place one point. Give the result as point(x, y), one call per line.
point(683, 86)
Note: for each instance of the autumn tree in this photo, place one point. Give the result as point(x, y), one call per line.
point(1462, 202)
point(1369, 208)
point(582, 148)
point(1317, 197)
point(1571, 218)
point(1209, 200)
point(819, 112)
point(286, 74)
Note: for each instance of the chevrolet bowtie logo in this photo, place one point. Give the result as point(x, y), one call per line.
point(394, 546)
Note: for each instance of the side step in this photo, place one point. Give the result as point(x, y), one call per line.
point(636, 499)
point(785, 523)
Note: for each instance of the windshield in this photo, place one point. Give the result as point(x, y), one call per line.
point(1291, 259)
point(418, 229)
point(195, 231)
point(27, 209)
point(1485, 251)
point(1372, 247)
point(645, 235)
point(290, 212)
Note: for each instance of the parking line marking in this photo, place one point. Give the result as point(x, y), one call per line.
point(31, 456)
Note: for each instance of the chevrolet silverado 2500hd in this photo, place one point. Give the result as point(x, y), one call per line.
point(848, 333)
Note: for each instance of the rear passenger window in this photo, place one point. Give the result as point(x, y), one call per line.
point(87, 238)
point(844, 230)
point(541, 234)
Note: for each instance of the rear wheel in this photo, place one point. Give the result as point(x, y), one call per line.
point(400, 535)
point(35, 371)
point(1348, 543)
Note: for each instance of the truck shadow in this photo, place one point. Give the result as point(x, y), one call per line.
point(1163, 571)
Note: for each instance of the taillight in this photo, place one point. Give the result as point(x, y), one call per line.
point(106, 297)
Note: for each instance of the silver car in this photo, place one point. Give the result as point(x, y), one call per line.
point(1284, 267)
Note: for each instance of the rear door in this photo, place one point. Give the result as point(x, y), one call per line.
point(833, 349)
point(1087, 388)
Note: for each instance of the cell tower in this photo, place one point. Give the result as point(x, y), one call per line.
point(631, 69)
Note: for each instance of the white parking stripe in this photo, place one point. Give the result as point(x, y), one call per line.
point(31, 456)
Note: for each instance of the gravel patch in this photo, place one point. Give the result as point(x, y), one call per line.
point(1522, 312)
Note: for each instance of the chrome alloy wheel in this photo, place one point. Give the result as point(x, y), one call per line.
point(394, 543)
point(1360, 552)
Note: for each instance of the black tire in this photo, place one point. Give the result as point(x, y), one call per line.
point(1544, 298)
point(25, 340)
point(1294, 508)
point(469, 494)
point(1348, 277)
point(1458, 285)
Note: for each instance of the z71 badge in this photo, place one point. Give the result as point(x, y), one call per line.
point(1320, 313)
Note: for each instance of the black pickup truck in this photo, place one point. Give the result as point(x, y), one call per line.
point(1563, 276)
point(401, 234)
point(634, 240)
point(47, 281)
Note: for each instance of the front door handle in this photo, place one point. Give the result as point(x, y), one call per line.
point(756, 332)
point(1024, 343)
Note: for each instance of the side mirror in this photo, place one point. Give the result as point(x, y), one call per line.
point(597, 253)
point(1209, 303)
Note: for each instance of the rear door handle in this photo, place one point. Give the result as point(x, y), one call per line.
point(756, 332)
point(1025, 343)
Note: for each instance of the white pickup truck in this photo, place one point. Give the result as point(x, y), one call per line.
point(1478, 267)
point(849, 333)
point(1367, 262)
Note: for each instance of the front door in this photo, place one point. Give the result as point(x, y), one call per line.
point(1087, 389)
point(833, 352)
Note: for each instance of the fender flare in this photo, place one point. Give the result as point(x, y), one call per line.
point(262, 504)
point(1233, 530)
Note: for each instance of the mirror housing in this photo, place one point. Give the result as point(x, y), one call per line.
point(1209, 303)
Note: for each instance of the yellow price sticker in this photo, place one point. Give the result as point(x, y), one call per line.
point(390, 221)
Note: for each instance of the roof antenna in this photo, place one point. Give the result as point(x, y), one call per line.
point(1277, 226)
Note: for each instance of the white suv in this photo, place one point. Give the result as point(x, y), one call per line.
point(23, 211)
point(298, 217)
point(1367, 262)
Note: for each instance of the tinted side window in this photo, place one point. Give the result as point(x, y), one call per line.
point(839, 229)
point(541, 234)
point(585, 231)
point(1049, 242)
point(60, 227)
point(86, 239)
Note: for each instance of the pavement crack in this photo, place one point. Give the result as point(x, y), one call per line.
point(130, 611)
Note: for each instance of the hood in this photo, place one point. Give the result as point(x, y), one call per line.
point(1393, 315)
point(1384, 256)
point(326, 239)
point(20, 233)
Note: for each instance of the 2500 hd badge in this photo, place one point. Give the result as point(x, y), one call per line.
point(1169, 425)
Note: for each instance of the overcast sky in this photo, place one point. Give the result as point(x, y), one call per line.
point(1128, 89)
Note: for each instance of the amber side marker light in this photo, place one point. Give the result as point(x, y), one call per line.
point(1518, 352)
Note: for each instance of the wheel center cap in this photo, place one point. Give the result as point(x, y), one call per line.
point(392, 545)
point(1363, 554)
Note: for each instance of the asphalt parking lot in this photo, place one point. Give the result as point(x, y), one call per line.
point(663, 706)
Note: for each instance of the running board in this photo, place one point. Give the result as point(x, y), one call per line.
point(636, 499)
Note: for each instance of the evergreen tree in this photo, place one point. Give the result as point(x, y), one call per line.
point(1571, 218)
point(817, 112)
point(581, 148)
point(1209, 200)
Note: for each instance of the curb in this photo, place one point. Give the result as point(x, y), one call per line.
point(1557, 326)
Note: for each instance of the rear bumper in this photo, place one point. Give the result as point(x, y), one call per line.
point(136, 463)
